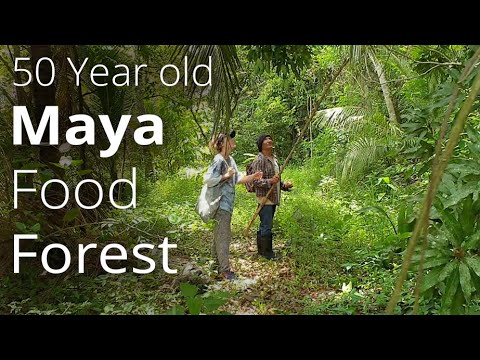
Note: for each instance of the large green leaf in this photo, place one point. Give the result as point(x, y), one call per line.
point(448, 184)
point(473, 241)
point(463, 169)
point(476, 283)
point(428, 254)
point(213, 302)
point(435, 262)
point(457, 307)
point(467, 218)
point(402, 219)
point(450, 290)
point(465, 280)
point(447, 270)
point(194, 305)
point(36, 228)
point(452, 225)
point(474, 264)
point(431, 279)
point(461, 193)
point(188, 290)
point(21, 226)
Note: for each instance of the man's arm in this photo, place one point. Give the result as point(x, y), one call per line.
point(286, 185)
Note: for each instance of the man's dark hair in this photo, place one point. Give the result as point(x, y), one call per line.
point(260, 141)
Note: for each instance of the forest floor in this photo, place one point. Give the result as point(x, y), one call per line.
point(264, 286)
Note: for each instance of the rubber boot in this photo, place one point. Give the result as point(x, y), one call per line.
point(260, 247)
point(268, 247)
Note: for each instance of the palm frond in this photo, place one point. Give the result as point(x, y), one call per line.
point(383, 128)
point(225, 89)
point(402, 64)
point(357, 52)
point(360, 154)
point(357, 122)
point(340, 118)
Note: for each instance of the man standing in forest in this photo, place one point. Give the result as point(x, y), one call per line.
point(267, 163)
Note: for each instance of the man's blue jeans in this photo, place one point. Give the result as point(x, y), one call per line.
point(266, 220)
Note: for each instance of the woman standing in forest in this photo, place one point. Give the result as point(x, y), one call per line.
point(223, 172)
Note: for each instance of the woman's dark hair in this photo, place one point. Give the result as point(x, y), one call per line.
point(219, 142)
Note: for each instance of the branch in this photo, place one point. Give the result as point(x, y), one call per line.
point(449, 63)
point(7, 95)
point(198, 124)
point(7, 65)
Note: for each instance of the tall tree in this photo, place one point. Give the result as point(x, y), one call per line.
point(45, 96)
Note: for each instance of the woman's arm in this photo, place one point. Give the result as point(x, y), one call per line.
point(250, 178)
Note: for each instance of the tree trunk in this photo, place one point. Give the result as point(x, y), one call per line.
point(392, 114)
point(83, 147)
point(45, 96)
point(22, 100)
point(140, 109)
point(22, 97)
point(64, 89)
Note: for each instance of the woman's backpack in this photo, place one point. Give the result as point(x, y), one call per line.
point(208, 201)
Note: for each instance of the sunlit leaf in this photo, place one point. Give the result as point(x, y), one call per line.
point(194, 305)
point(188, 290)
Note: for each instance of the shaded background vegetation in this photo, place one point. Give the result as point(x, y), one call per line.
point(360, 174)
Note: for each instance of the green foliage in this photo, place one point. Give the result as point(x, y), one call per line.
point(452, 260)
point(343, 229)
point(281, 58)
point(197, 304)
